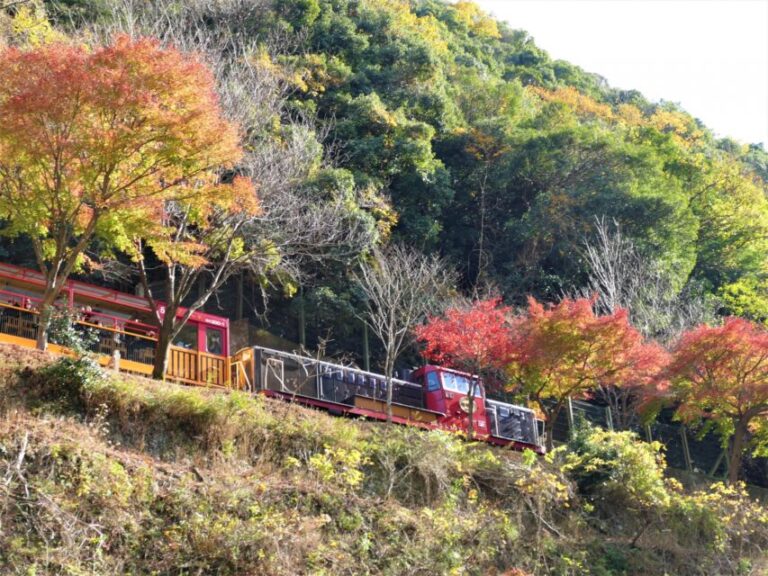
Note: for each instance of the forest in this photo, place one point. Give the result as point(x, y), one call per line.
point(384, 183)
point(338, 158)
point(432, 125)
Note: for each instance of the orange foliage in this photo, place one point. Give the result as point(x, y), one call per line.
point(578, 102)
point(565, 350)
point(721, 371)
point(93, 143)
point(89, 133)
point(721, 374)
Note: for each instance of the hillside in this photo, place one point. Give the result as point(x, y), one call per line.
point(434, 125)
point(454, 133)
point(106, 474)
point(301, 168)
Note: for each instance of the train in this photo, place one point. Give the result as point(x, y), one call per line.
point(122, 325)
point(430, 397)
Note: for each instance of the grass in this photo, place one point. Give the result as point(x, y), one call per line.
point(104, 474)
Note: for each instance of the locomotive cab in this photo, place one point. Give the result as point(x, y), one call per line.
point(447, 391)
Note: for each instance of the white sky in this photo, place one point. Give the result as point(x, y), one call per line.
point(710, 56)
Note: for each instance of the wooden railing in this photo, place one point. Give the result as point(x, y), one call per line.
point(18, 325)
point(200, 368)
point(241, 369)
point(18, 322)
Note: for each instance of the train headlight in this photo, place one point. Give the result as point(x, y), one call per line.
point(464, 404)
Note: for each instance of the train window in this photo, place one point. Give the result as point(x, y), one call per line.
point(433, 382)
point(214, 342)
point(458, 383)
point(187, 338)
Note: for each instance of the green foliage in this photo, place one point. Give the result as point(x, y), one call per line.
point(489, 151)
point(64, 331)
point(615, 466)
point(65, 383)
point(165, 479)
point(746, 297)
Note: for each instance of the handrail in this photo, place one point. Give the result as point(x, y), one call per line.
point(335, 366)
point(116, 320)
point(117, 330)
point(19, 308)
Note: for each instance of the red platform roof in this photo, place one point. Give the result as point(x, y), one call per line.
point(106, 295)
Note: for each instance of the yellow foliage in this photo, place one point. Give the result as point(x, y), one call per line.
point(30, 28)
point(476, 20)
point(630, 115)
point(682, 127)
point(404, 19)
point(578, 102)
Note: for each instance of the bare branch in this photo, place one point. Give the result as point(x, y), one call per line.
point(401, 288)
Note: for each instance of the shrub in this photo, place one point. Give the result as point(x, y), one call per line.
point(615, 466)
point(64, 382)
point(721, 526)
point(64, 331)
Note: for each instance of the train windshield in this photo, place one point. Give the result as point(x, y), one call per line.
point(459, 383)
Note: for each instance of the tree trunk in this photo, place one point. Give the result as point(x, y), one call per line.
point(388, 369)
point(470, 414)
point(366, 349)
point(302, 319)
point(551, 419)
point(240, 297)
point(737, 447)
point(160, 364)
point(45, 316)
point(43, 324)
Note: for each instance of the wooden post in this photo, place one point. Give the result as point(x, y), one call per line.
point(116, 360)
point(717, 464)
point(686, 450)
point(366, 349)
point(302, 320)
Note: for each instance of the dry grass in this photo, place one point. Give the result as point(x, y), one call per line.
point(127, 475)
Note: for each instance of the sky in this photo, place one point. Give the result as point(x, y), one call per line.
point(709, 56)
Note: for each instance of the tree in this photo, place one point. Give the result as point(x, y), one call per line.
point(475, 339)
point(566, 350)
point(310, 213)
point(202, 237)
point(92, 142)
point(401, 287)
point(719, 375)
point(621, 277)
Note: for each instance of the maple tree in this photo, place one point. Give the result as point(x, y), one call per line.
point(201, 236)
point(720, 375)
point(93, 141)
point(566, 350)
point(474, 339)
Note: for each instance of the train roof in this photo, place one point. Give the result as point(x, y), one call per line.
point(106, 295)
